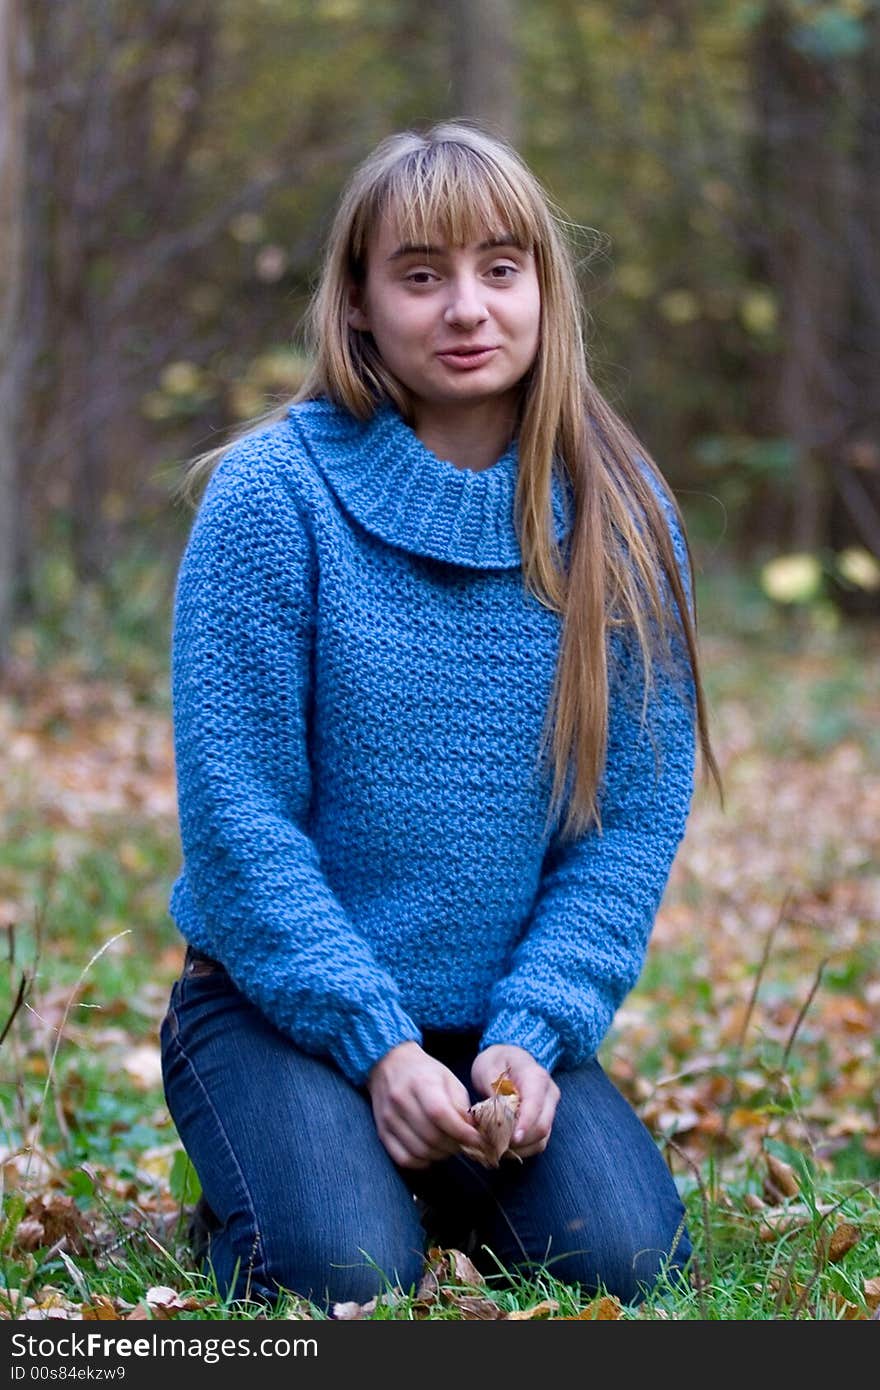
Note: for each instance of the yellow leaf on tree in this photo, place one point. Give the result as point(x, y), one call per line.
point(860, 567)
point(792, 578)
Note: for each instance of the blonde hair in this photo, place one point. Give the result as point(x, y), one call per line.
point(457, 181)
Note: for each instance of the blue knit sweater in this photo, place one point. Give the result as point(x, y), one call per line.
point(360, 681)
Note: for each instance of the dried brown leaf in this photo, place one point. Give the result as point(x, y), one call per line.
point(165, 1303)
point(143, 1064)
point(464, 1271)
point(474, 1307)
point(540, 1310)
point(30, 1235)
point(51, 1297)
point(871, 1291)
point(850, 1312)
point(101, 1309)
point(60, 1219)
point(351, 1312)
point(495, 1118)
point(600, 1310)
point(783, 1224)
point(844, 1237)
point(446, 1267)
point(427, 1292)
point(298, 1311)
point(162, 1295)
point(437, 1272)
point(782, 1176)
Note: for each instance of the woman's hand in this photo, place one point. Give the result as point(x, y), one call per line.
point(420, 1107)
point(538, 1094)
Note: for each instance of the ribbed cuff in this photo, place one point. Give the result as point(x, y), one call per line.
point(526, 1030)
point(368, 1036)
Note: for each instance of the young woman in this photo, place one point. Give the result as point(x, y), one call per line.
point(436, 701)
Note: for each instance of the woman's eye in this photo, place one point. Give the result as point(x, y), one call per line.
point(503, 272)
point(420, 277)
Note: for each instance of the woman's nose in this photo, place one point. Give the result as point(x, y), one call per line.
point(465, 305)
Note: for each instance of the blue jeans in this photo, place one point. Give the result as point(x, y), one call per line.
point(306, 1199)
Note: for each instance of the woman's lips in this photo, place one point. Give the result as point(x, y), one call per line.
point(466, 359)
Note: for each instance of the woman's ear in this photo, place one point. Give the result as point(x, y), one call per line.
point(357, 316)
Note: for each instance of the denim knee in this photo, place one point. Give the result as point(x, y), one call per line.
point(320, 1265)
point(627, 1265)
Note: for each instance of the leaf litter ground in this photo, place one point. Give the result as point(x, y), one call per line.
point(750, 1046)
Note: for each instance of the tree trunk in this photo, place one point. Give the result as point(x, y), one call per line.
point(806, 189)
point(819, 173)
point(13, 66)
point(485, 64)
point(855, 518)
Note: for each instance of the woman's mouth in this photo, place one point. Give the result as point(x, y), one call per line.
point(466, 359)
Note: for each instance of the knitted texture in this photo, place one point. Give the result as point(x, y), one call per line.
point(360, 682)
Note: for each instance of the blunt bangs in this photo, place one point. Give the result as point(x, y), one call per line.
point(452, 192)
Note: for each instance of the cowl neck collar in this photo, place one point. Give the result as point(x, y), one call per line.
point(397, 489)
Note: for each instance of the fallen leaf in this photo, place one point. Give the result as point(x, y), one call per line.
point(299, 1310)
point(349, 1312)
point(447, 1267)
point(50, 1297)
point(600, 1310)
point(850, 1312)
point(781, 1181)
point(782, 1225)
point(144, 1065)
point(30, 1235)
point(464, 1270)
point(161, 1294)
point(539, 1310)
point(871, 1291)
point(164, 1303)
point(843, 1239)
point(474, 1307)
point(59, 1218)
point(101, 1309)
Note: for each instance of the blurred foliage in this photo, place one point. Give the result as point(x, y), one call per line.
point(115, 628)
point(190, 161)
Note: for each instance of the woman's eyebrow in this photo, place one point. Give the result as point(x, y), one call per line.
point(412, 248)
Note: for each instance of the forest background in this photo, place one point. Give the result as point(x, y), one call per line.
point(167, 177)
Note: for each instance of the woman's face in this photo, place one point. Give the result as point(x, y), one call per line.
point(457, 325)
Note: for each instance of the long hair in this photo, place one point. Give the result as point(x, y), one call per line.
point(456, 181)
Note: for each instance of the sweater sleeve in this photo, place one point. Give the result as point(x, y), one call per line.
point(252, 881)
point(585, 944)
